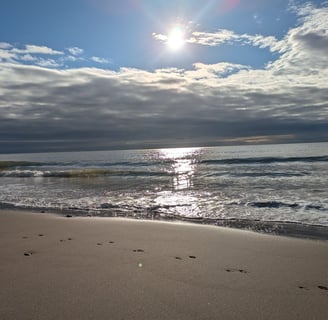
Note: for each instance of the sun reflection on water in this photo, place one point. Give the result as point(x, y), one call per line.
point(183, 166)
point(180, 164)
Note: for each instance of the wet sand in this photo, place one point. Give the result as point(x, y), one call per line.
point(53, 267)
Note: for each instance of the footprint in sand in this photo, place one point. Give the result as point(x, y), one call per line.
point(190, 257)
point(138, 250)
point(99, 244)
point(28, 253)
point(236, 270)
point(63, 240)
point(321, 287)
point(111, 242)
point(303, 288)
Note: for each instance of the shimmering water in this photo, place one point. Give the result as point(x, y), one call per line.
point(239, 186)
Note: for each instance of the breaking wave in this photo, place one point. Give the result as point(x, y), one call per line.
point(77, 173)
point(266, 160)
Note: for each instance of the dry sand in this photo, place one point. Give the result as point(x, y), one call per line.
point(60, 268)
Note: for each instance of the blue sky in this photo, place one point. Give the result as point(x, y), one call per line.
point(88, 74)
point(121, 31)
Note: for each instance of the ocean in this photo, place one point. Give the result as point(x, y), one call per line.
point(280, 189)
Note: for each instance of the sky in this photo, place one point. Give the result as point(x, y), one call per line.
point(105, 74)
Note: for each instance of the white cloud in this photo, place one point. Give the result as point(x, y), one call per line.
point(99, 60)
point(160, 37)
point(301, 8)
point(28, 57)
point(30, 53)
point(42, 50)
point(264, 42)
point(214, 71)
point(5, 45)
point(70, 58)
point(212, 39)
point(75, 51)
point(224, 36)
point(35, 55)
point(227, 36)
point(47, 63)
point(33, 49)
point(7, 56)
point(306, 45)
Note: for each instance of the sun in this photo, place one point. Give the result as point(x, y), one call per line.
point(176, 38)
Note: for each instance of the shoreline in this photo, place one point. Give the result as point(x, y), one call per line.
point(275, 228)
point(54, 267)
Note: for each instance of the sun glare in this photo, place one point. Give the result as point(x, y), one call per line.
point(176, 38)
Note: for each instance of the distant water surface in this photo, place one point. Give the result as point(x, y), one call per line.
point(271, 188)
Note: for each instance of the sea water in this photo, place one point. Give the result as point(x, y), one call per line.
point(272, 188)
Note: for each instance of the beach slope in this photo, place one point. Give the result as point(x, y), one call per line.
point(54, 267)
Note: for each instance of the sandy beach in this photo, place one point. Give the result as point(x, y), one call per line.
point(55, 267)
